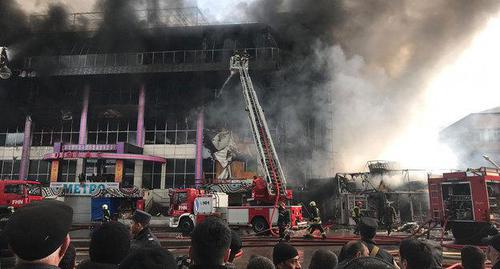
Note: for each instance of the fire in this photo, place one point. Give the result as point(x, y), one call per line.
point(468, 84)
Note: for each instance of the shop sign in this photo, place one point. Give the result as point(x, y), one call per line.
point(85, 189)
point(89, 147)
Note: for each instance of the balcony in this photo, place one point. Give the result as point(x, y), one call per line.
point(149, 62)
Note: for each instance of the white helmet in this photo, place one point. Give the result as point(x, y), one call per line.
point(312, 203)
point(104, 206)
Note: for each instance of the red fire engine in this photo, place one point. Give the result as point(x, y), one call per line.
point(466, 202)
point(189, 206)
point(17, 193)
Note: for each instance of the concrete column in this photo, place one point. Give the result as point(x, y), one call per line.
point(138, 173)
point(25, 155)
point(140, 116)
point(163, 176)
point(82, 138)
point(198, 170)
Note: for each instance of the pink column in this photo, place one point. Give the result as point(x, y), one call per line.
point(140, 116)
point(82, 139)
point(199, 150)
point(25, 154)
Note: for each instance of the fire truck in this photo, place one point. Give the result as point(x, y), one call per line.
point(17, 193)
point(467, 203)
point(190, 206)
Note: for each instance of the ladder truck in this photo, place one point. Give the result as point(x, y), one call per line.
point(191, 206)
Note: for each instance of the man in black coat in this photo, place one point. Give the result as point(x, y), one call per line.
point(142, 235)
point(109, 245)
point(368, 230)
point(38, 234)
point(283, 222)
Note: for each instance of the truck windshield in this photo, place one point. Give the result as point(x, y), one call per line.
point(180, 197)
point(457, 201)
point(34, 189)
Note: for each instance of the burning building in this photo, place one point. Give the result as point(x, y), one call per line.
point(122, 96)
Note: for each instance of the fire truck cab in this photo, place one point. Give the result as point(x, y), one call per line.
point(467, 203)
point(17, 193)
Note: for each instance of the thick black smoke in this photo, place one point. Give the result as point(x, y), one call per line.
point(357, 69)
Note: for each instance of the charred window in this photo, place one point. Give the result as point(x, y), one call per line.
point(457, 201)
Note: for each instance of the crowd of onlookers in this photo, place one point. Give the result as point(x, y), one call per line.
point(38, 234)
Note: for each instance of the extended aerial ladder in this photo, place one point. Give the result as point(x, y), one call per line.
point(276, 182)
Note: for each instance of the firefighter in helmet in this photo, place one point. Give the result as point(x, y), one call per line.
point(283, 222)
point(356, 215)
point(315, 221)
point(106, 214)
point(389, 216)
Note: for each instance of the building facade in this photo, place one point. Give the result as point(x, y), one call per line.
point(134, 112)
point(473, 136)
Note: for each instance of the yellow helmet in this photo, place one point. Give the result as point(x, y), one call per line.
point(312, 203)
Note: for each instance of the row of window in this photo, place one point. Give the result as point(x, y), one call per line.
point(180, 173)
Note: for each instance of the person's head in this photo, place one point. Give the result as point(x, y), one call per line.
point(323, 258)
point(368, 263)
point(68, 261)
point(140, 220)
point(149, 258)
point(351, 250)
point(285, 256)
point(260, 262)
point(109, 243)
point(210, 242)
point(493, 250)
point(104, 206)
point(415, 254)
point(472, 257)
point(282, 205)
point(368, 228)
point(38, 232)
point(312, 204)
point(235, 246)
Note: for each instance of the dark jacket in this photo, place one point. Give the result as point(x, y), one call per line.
point(87, 264)
point(227, 266)
point(283, 217)
point(35, 266)
point(144, 239)
point(315, 215)
point(382, 254)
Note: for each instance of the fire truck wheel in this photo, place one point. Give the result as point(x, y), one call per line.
point(186, 226)
point(259, 225)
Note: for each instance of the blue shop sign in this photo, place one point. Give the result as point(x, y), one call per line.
point(86, 189)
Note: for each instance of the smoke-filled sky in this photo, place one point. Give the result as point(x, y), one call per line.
point(397, 71)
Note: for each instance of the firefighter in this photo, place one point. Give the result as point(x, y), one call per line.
point(315, 221)
point(284, 222)
point(389, 217)
point(106, 215)
point(356, 216)
point(142, 235)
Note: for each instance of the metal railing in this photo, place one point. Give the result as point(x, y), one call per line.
point(149, 58)
point(90, 21)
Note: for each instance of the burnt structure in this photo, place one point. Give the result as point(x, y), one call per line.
point(126, 104)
